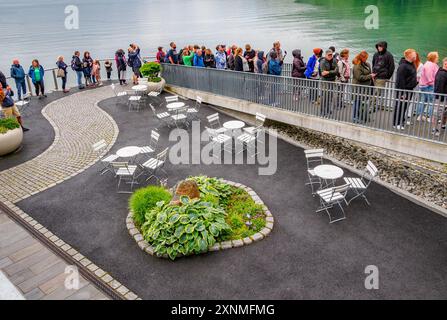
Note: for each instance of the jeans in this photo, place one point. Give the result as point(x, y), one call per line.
point(39, 85)
point(64, 82)
point(327, 98)
point(21, 88)
point(80, 75)
point(426, 99)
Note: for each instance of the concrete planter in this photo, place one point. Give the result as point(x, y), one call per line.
point(156, 86)
point(10, 141)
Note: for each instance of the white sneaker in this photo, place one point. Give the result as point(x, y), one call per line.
point(400, 128)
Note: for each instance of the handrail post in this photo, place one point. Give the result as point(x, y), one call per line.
point(55, 79)
point(30, 87)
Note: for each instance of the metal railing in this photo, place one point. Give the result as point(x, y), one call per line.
point(52, 82)
point(401, 112)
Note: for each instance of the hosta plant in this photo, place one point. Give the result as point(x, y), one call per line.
point(213, 186)
point(184, 229)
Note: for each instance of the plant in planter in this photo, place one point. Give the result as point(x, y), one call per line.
point(152, 70)
point(11, 135)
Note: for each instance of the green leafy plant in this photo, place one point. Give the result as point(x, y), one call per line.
point(184, 229)
point(214, 187)
point(145, 199)
point(8, 124)
point(151, 70)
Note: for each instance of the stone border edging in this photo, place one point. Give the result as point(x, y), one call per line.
point(146, 247)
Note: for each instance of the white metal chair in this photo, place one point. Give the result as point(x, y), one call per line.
point(153, 165)
point(314, 158)
point(193, 112)
point(224, 141)
point(259, 124)
point(118, 93)
point(180, 116)
point(247, 140)
point(155, 136)
point(360, 185)
point(134, 103)
point(214, 123)
point(124, 172)
point(171, 99)
point(163, 117)
point(333, 196)
point(98, 148)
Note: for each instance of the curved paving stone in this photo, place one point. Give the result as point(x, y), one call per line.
point(78, 123)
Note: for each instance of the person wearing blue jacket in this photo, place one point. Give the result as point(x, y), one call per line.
point(36, 73)
point(312, 73)
point(134, 62)
point(275, 68)
point(18, 74)
point(198, 59)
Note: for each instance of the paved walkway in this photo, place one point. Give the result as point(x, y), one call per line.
point(36, 271)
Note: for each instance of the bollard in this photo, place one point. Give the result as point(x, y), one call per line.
point(55, 79)
point(28, 81)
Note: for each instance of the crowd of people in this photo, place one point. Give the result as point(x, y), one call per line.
point(332, 69)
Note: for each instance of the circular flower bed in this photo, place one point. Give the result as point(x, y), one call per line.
point(219, 215)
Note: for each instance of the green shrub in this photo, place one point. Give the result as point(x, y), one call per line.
point(8, 124)
point(188, 228)
point(211, 199)
point(151, 70)
point(146, 199)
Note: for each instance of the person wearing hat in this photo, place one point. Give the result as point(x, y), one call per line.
point(329, 73)
point(18, 74)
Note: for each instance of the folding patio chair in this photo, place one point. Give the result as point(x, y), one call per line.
point(360, 185)
point(180, 116)
point(162, 117)
point(134, 102)
point(153, 165)
point(124, 172)
point(333, 196)
point(116, 92)
point(155, 136)
point(259, 124)
point(247, 139)
point(314, 158)
point(220, 139)
point(98, 148)
point(193, 112)
point(214, 122)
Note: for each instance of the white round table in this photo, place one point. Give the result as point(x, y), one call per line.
point(140, 88)
point(175, 105)
point(128, 152)
point(234, 125)
point(328, 172)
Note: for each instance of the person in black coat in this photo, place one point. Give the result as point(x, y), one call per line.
point(406, 80)
point(441, 92)
point(383, 64)
point(299, 66)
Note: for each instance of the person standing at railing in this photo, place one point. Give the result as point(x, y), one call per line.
point(406, 81)
point(250, 55)
point(209, 60)
point(279, 53)
point(275, 69)
point(161, 55)
point(134, 62)
point(221, 58)
point(172, 55)
point(362, 76)
point(121, 66)
point(440, 110)
point(312, 73)
point(188, 57)
point(329, 73)
point(62, 72)
point(427, 87)
point(261, 65)
point(76, 66)
point(9, 109)
point(239, 60)
point(232, 56)
point(198, 59)
point(18, 74)
point(36, 73)
point(96, 72)
point(87, 62)
point(108, 66)
point(344, 75)
point(298, 69)
point(383, 67)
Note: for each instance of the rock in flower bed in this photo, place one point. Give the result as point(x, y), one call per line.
point(425, 183)
point(218, 215)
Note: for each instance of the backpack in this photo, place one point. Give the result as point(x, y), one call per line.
point(74, 65)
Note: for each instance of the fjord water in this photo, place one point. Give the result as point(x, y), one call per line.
point(35, 29)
